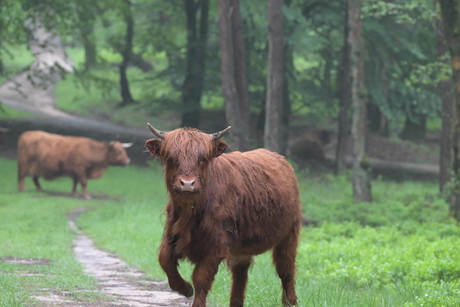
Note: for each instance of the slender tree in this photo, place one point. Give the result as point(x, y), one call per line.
point(445, 91)
point(126, 53)
point(361, 180)
point(450, 12)
point(86, 12)
point(197, 36)
point(275, 77)
point(344, 113)
point(233, 68)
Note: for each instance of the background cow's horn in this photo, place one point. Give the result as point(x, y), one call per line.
point(218, 135)
point(127, 145)
point(157, 132)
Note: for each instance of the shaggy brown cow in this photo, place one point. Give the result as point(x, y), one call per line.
point(225, 207)
point(42, 154)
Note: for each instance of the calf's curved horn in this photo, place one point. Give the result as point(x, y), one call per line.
point(218, 135)
point(127, 145)
point(158, 133)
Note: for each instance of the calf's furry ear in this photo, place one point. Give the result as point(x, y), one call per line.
point(219, 147)
point(154, 145)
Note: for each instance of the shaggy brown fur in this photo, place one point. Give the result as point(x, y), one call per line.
point(42, 154)
point(226, 207)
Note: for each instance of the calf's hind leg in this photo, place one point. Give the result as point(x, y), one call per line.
point(239, 268)
point(284, 255)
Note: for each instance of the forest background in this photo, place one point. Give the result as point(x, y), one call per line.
point(318, 66)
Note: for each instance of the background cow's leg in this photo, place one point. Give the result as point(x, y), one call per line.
point(284, 256)
point(74, 187)
point(203, 277)
point(168, 261)
point(83, 180)
point(37, 183)
point(239, 268)
point(22, 173)
point(21, 176)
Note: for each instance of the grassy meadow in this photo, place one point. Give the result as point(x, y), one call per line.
point(401, 250)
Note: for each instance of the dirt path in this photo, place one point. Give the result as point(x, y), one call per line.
point(123, 285)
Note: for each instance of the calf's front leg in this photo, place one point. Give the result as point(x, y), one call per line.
point(169, 262)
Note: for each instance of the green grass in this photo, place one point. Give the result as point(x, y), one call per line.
point(34, 225)
point(10, 113)
point(401, 250)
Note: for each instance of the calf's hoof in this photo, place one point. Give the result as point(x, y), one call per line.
point(188, 290)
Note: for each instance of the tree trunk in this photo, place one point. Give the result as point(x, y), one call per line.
point(87, 21)
point(240, 66)
point(89, 42)
point(286, 103)
point(361, 180)
point(451, 21)
point(192, 89)
point(126, 54)
point(344, 113)
point(235, 111)
point(445, 90)
point(275, 77)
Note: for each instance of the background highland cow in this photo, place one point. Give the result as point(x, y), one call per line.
point(47, 155)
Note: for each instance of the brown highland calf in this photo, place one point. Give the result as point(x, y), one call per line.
point(42, 154)
point(225, 207)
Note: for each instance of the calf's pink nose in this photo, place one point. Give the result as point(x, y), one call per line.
point(187, 185)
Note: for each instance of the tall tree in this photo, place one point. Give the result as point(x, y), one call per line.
point(345, 96)
point(126, 53)
point(445, 92)
point(87, 12)
point(275, 77)
point(361, 180)
point(197, 36)
point(233, 70)
point(450, 12)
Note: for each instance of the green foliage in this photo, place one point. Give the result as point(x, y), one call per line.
point(402, 68)
point(9, 113)
point(381, 257)
point(403, 11)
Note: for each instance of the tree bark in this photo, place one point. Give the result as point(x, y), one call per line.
point(445, 91)
point(345, 97)
point(126, 54)
point(275, 77)
point(231, 46)
point(240, 65)
point(360, 166)
point(197, 37)
point(86, 21)
point(450, 11)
